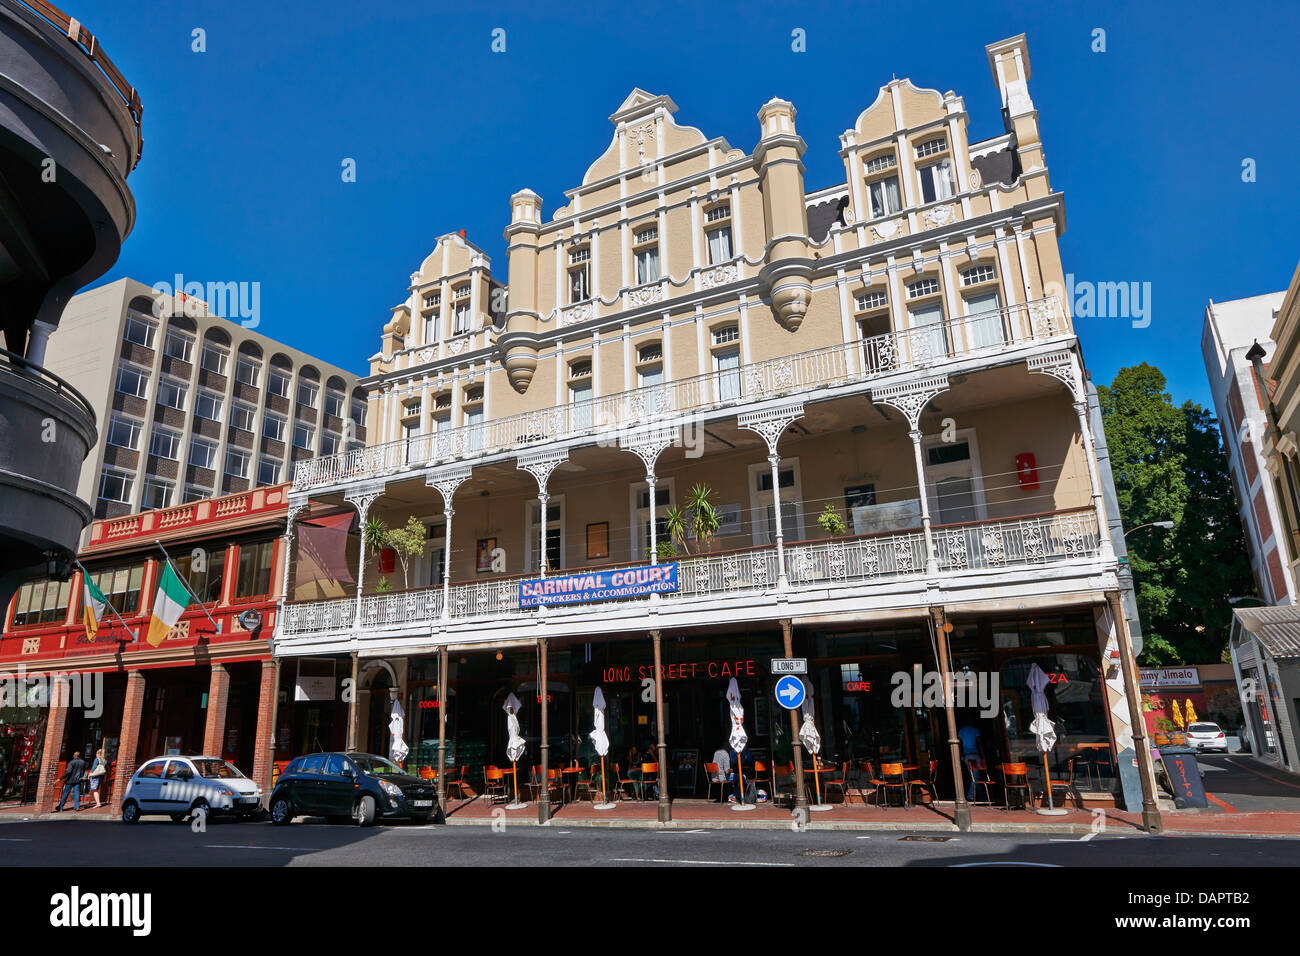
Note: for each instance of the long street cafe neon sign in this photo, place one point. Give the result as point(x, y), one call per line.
point(602, 585)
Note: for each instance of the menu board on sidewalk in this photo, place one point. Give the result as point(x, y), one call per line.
point(684, 765)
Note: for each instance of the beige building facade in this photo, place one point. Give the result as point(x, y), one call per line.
point(884, 350)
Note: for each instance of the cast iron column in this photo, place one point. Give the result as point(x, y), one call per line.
point(544, 803)
point(665, 808)
point(961, 807)
point(352, 704)
point(800, 795)
point(1146, 772)
point(442, 728)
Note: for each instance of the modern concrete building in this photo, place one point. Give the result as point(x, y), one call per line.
point(1231, 332)
point(1265, 642)
point(849, 425)
point(69, 137)
point(193, 405)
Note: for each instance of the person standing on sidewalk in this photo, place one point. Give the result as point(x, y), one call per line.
point(71, 778)
point(96, 775)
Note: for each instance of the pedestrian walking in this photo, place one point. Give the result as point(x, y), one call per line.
point(72, 774)
point(96, 775)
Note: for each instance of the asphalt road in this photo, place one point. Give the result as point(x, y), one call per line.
point(1239, 782)
point(92, 844)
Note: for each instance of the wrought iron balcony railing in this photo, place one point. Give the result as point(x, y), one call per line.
point(864, 359)
point(1011, 543)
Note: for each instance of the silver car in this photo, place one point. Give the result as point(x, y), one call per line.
point(183, 786)
point(1207, 736)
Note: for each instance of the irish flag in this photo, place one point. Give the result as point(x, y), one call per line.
point(93, 604)
point(168, 605)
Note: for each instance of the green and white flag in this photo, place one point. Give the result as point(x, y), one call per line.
point(93, 605)
point(168, 604)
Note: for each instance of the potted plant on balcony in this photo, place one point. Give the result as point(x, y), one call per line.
point(696, 519)
point(405, 542)
point(831, 522)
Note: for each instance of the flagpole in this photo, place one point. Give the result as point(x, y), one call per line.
point(135, 637)
point(215, 626)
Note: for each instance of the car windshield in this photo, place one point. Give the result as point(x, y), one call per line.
point(376, 765)
point(213, 768)
point(1204, 728)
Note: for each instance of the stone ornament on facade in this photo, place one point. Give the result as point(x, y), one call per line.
point(456, 346)
point(645, 295)
point(640, 137)
point(576, 314)
point(938, 215)
point(426, 355)
point(719, 275)
point(771, 423)
point(910, 398)
point(887, 230)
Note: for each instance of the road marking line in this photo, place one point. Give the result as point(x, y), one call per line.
point(1221, 803)
point(957, 866)
point(619, 859)
point(1242, 766)
point(15, 840)
point(681, 831)
point(249, 846)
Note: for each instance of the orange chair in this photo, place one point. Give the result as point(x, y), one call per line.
point(626, 783)
point(535, 780)
point(494, 782)
point(649, 778)
point(865, 775)
point(925, 784)
point(461, 783)
point(891, 777)
point(782, 780)
point(426, 773)
point(714, 779)
point(1015, 776)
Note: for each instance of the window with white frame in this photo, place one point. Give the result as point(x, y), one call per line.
point(124, 432)
point(139, 330)
point(665, 490)
point(277, 382)
point(430, 328)
point(432, 300)
point(763, 502)
point(171, 393)
point(718, 213)
point(330, 443)
point(242, 416)
point(873, 299)
point(645, 254)
point(719, 242)
point(650, 366)
point(156, 493)
point(268, 471)
point(922, 287)
point(936, 181)
point(303, 435)
point(878, 164)
point(931, 146)
point(885, 197)
point(726, 365)
point(726, 333)
point(333, 403)
point(460, 317)
point(984, 328)
point(203, 453)
point(359, 414)
point(579, 274)
point(237, 462)
point(580, 393)
point(208, 405)
point(215, 358)
point(165, 443)
point(954, 480)
point(247, 370)
point(307, 392)
point(273, 426)
point(196, 493)
point(132, 380)
point(178, 345)
point(984, 272)
point(116, 486)
point(554, 534)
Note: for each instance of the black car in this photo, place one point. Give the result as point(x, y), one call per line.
point(352, 786)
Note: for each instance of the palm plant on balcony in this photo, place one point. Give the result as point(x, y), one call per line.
point(405, 542)
point(696, 519)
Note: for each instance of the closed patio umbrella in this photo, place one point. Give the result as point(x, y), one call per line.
point(812, 742)
point(515, 744)
point(397, 749)
point(600, 740)
point(738, 739)
point(1043, 730)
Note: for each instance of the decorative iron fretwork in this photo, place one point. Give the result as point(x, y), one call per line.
point(540, 466)
point(1060, 365)
point(771, 423)
point(910, 398)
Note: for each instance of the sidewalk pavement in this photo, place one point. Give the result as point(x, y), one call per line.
point(935, 818)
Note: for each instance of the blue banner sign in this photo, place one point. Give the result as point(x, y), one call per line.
point(602, 585)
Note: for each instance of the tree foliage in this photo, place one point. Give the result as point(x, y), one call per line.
point(1169, 465)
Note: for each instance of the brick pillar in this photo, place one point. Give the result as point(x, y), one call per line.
point(128, 745)
point(264, 753)
point(218, 694)
point(48, 787)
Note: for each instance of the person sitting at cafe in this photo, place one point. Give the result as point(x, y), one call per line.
point(972, 751)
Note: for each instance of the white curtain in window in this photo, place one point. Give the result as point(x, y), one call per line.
point(985, 329)
point(728, 364)
point(885, 199)
point(720, 245)
point(928, 342)
point(943, 179)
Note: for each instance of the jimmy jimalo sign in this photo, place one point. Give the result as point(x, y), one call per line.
point(602, 585)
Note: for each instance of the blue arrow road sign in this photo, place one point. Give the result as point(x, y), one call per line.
point(789, 692)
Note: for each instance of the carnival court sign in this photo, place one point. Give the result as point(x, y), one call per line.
point(603, 585)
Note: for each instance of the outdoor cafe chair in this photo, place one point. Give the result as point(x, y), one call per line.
point(782, 782)
point(1015, 776)
point(584, 784)
point(649, 779)
point(461, 783)
point(1066, 787)
point(924, 784)
point(426, 773)
point(494, 782)
point(628, 787)
point(714, 779)
point(535, 781)
point(837, 779)
point(863, 783)
point(891, 777)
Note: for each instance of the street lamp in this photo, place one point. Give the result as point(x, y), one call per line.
point(1150, 524)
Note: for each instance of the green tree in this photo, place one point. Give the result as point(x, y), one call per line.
point(1169, 465)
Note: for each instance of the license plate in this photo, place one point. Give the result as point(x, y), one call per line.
point(421, 803)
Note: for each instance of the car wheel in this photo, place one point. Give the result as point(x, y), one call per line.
point(365, 811)
point(130, 812)
point(281, 811)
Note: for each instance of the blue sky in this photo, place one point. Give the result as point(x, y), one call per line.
point(240, 179)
